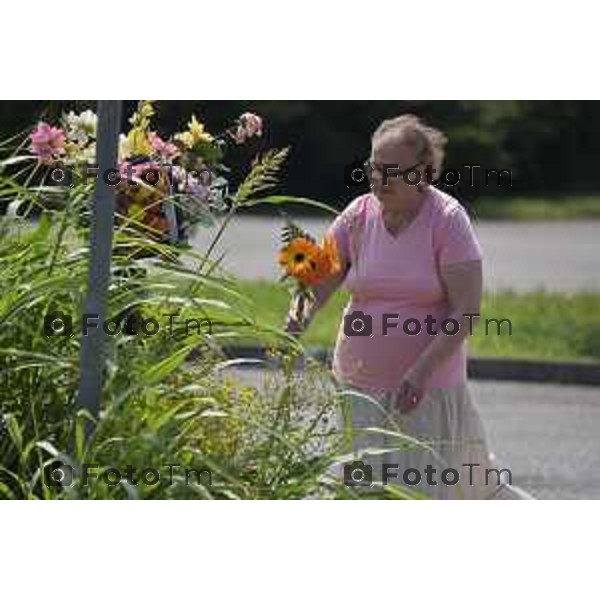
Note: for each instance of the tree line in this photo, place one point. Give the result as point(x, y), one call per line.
point(549, 147)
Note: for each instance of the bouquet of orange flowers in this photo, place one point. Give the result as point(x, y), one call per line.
point(308, 263)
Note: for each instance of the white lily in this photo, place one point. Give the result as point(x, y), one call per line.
point(125, 147)
point(80, 128)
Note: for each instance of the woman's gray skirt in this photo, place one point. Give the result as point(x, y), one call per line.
point(438, 449)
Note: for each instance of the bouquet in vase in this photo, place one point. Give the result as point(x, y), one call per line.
point(165, 184)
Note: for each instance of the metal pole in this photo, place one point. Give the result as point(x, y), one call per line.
point(93, 349)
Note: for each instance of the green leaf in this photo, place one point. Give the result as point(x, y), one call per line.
point(291, 231)
point(164, 368)
point(276, 200)
point(14, 431)
point(13, 160)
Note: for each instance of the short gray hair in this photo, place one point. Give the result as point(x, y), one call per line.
point(428, 141)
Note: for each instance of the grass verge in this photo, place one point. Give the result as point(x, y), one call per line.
point(538, 209)
point(545, 325)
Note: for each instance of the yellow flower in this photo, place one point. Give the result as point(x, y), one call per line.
point(194, 134)
point(143, 113)
point(146, 110)
point(197, 130)
point(185, 138)
point(139, 144)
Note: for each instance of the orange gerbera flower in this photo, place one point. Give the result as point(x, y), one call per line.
point(331, 254)
point(308, 262)
point(299, 259)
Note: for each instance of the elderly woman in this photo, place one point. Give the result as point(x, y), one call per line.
point(411, 261)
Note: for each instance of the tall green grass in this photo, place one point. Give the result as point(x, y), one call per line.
point(167, 398)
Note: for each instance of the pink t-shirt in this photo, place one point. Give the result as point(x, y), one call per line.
point(399, 276)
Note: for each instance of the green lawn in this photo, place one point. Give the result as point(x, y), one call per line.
point(531, 209)
point(544, 325)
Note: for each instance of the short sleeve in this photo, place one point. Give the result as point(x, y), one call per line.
point(341, 228)
point(455, 238)
point(339, 231)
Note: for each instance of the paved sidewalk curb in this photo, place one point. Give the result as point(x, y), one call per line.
point(573, 373)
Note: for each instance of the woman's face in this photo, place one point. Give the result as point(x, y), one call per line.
point(389, 150)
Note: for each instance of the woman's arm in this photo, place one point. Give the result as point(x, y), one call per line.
point(345, 230)
point(463, 282)
point(322, 291)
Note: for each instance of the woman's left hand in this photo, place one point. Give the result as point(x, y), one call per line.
point(410, 393)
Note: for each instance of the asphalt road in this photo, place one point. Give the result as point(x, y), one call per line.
point(559, 256)
point(547, 435)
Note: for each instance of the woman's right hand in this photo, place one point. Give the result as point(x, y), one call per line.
point(299, 305)
point(292, 326)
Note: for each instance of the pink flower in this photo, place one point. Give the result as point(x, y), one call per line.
point(250, 125)
point(47, 142)
point(136, 171)
point(143, 180)
point(166, 150)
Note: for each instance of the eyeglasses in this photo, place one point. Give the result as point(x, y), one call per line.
point(371, 167)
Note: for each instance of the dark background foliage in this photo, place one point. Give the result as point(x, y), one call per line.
point(550, 146)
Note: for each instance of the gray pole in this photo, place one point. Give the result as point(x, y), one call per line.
point(93, 350)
